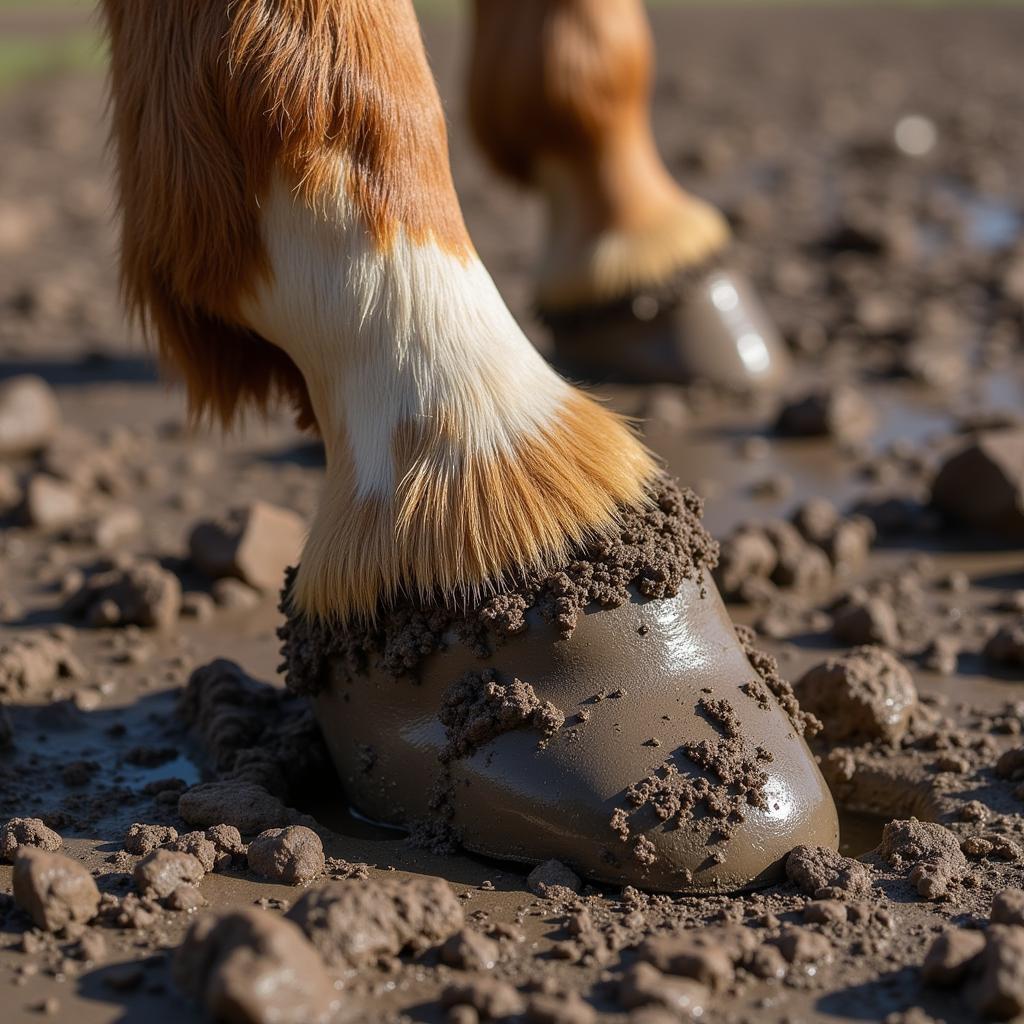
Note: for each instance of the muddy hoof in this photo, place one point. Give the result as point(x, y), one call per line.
point(643, 749)
point(711, 327)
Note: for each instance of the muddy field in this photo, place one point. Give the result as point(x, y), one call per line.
point(870, 164)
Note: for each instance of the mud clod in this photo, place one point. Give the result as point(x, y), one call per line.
point(354, 923)
point(929, 851)
point(252, 967)
point(951, 956)
point(644, 985)
point(54, 890)
point(138, 594)
point(866, 694)
point(159, 873)
point(144, 839)
point(22, 832)
point(29, 416)
point(826, 874)
point(1001, 985)
point(292, 855)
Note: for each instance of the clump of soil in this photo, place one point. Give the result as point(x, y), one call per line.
point(650, 553)
point(865, 694)
point(354, 923)
point(252, 965)
point(21, 832)
point(930, 852)
point(292, 855)
point(54, 890)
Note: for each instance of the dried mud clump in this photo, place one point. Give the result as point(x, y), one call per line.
point(138, 593)
point(163, 871)
point(929, 851)
point(478, 708)
point(23, 832)
point(823, 873)
point(54, 890)
point(767, 669)
point(651, 553)
point(839, 412)
point(867, 694)
point(352, 924)
point(292, 855)
point(253, 967)
point(32, 662)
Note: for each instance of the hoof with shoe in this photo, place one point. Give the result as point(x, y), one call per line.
point(638, 738)
point(711, 327)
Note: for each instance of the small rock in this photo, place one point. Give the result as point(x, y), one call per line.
point(252, 967)
point(23, 832)
point(256, 544)
point(292, 855)
point(34, 661)
point(51, 504)
point(186, 899)
point(159, 873)
point(54, 890)
point(227, 841)
point(197, 844)
point(982, 484)
point(29, 416)
point(841, 413)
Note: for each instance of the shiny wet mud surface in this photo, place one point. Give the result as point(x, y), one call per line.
point(893, 272)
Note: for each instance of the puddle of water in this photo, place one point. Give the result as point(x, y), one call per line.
point(859, 831)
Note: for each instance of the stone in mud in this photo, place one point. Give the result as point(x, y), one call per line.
point(31, 662)
point(866, 694)
point(141, 593)
point(255, 544)
point(824, 873)
point(159, 873)
point(29, 416)
point(870, 620)
point(492, 999)
point(838, 412)
point(982, 484)
point(252, 967)
point(54, 890)
point(930, 851)
point(291, 856)
point(644, 985)
point(470, 950)
point(951, 956)
point(1008, 907)
point(1001, 986)
point(552, 873)
point(1006, 646)
point(50, 504)
point(1011, 764)
point(22, 832)
point(144, 839)
point(244, 805)
point(354, 923)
